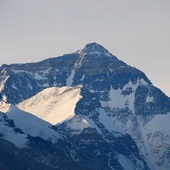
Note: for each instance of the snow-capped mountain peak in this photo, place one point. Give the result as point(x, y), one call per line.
point(119, 107)
point(95, 50)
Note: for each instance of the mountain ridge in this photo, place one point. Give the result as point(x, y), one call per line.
point(114, 96)
point(48, 104)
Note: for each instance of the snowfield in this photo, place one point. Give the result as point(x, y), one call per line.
point(54, 105)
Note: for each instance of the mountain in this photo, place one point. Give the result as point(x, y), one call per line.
point(107, 114)
point(14, 158)
point(73, 144)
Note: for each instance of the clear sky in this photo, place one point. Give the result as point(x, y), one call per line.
point(136, 31)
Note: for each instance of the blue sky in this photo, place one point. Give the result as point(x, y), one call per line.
point(136, 31)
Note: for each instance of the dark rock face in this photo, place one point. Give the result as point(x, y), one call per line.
point(87, 151)
point(13, 158)
point(110, 87)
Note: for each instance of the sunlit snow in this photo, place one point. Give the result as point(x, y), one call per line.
point(30, 124)
point(54, 105)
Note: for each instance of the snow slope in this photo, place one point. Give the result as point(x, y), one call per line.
point(28, 123)
point(75, 125)
point(54, 105)
point(8, 133)
point(157, 133)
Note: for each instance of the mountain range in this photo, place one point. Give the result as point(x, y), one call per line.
point(83, 110)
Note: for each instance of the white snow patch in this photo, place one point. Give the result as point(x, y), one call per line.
point(157, 135)
point(129, 125)
point(149, 99)
point(83, 77)
point(2, 83)
point(159, 123)
point(4, 107)
point(129, 99)
point(117, 100)
point(13, 86)
point(108, 122)
point(70, 78)
point(77, 124)
point(20, 71)
point(92, 91)
point(48, 70)
point(126, 163)
point(142, 82)
point(93, 124)
point(108, 54)
point(54, 105)
point(38, 77)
